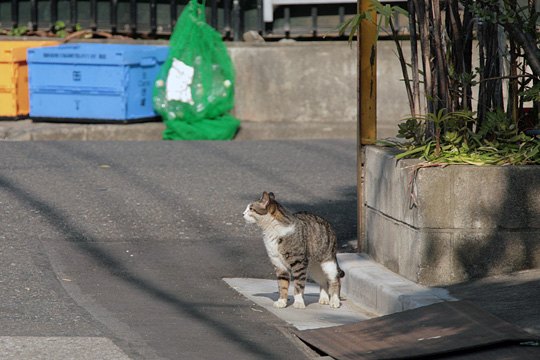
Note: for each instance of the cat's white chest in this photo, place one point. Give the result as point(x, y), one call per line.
point(271, 242)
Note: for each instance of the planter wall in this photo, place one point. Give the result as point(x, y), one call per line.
point(467, 222)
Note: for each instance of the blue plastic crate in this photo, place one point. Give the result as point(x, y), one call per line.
point(93, 82)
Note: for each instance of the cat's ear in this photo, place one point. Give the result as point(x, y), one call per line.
point(265, 199)
point(272, 196)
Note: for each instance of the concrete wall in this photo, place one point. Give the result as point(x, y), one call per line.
point(306, 88)
point(468, 222)
point(313, 82)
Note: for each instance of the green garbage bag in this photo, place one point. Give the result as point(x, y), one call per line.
point(194, 90)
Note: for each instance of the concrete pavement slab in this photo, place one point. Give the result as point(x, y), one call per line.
point(264, 292)
point(368, 290)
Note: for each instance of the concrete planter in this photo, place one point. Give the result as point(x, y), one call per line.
point(467, 222)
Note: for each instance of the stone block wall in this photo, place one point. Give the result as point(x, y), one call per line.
point(438, 226)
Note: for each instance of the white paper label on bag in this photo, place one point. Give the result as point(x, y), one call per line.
point(179, 80)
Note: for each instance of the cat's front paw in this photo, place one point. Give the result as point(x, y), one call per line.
point(281, 303)
point(299, 305)
point(299, 302)
point(335, 302)
point(323, 298)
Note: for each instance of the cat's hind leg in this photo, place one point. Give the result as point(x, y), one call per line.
point(317, 274)
point(299, 273)
point(283, 287)
point(331, 271)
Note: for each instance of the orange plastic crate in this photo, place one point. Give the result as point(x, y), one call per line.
point(14, 77)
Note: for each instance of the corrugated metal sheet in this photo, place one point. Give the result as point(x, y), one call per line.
point(447, 330)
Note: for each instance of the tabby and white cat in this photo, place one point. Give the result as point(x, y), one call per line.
point(298, 244)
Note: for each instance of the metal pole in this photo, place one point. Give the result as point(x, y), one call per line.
point(214, 14)
point(54, 13)
point(237, 36)
point(227, 18)
point(73, 14)
point(287, 24)
point(153, 17)
point(33, 15)
point(114, 16)
point(14, 14)
point(260, 20)
point(133, 16)
point(173, 13)
point(367, 106)
point(93, 15)
point(314, 18)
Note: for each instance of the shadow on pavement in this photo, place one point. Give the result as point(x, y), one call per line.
point(116, 268)
point(513, 298)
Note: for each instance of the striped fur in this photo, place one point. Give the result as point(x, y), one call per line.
point(297, 244)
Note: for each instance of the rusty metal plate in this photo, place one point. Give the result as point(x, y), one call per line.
point(449, 330)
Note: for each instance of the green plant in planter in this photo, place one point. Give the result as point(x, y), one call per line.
point(59, 29)
point(459, 139)
point(18, 31)
point(443, 127)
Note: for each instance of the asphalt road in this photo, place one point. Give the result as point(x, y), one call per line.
point(130, 240)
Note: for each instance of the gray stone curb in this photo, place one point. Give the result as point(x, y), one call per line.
point(379, 290)
point(26, 130)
